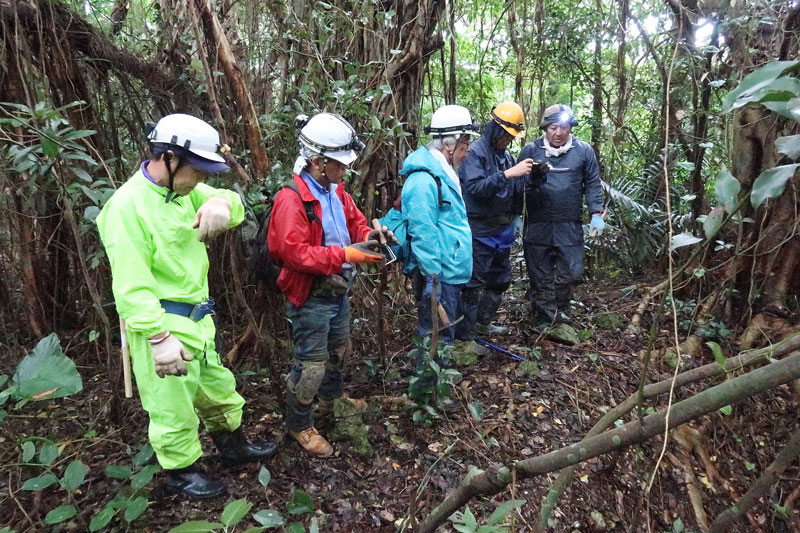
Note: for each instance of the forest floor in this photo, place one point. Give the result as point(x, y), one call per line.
point(522, 416)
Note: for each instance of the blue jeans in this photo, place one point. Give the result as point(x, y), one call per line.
point(321, 335)
point(450, 296)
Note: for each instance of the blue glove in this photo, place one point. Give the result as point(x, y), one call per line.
point(427, 292)
point(597, 225)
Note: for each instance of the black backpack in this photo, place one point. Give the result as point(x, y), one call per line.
point(262, 266)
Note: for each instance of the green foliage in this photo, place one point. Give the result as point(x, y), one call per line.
point(46, 373)
point(301, 503)
point(431, 385)
point(465, 522)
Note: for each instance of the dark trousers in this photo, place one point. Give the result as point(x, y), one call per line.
point(450, 297)
point(553, 271)
point(481, 297)
point(321, 335)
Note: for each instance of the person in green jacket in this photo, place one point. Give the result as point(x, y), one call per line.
point(154, 230)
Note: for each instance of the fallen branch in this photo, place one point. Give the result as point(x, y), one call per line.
point(708, 401)
point(760, 487)
point(655, 389)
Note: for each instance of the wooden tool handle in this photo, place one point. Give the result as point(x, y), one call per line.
point(377, 225)
point(443, 316)
point(126, 359)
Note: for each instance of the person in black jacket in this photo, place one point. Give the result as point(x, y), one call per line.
point(493, 188)
point(553, 241)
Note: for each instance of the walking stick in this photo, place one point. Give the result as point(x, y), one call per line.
point(126, 359)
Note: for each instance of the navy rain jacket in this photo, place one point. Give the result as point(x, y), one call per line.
point(559, 200)
point(491, 198)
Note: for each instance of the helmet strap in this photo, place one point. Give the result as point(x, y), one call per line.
point(168, 161)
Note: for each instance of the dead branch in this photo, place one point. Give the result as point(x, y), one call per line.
point(760, 487)
point(216, 36)
point(708, 401)
point(655, 389)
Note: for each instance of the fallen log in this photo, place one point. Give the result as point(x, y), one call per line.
point(655, 389)
point(708, 401)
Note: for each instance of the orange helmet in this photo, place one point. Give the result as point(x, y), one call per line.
point(510, 117)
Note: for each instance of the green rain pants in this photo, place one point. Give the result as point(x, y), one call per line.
point(174, 403)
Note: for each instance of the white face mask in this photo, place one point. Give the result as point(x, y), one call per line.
point(555, 152)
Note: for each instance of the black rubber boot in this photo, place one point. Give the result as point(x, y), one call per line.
point(235, 450)
point(192, 484)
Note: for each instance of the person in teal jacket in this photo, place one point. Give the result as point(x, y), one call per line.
point(437, 226)
point(154, 229)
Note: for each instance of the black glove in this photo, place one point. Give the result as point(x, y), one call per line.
point(538, 175)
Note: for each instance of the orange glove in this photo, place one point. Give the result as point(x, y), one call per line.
point(362, 252)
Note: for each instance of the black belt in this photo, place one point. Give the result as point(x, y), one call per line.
point(195, 312)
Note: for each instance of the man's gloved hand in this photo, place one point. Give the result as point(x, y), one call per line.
point(539, 172)
point(169, 356)
point(212, 218)
point(597, 225)
point(523, 168)
point(374, 235)
point(363, 252)
point(427, 292)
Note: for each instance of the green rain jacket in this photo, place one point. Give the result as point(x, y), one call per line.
point(155, 255)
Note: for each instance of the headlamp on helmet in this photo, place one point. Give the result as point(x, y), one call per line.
point(558, 114)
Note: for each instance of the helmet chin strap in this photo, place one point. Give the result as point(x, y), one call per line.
point(171, 194)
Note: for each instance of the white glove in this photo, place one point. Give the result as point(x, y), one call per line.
point(212, 218)
point(169, 356)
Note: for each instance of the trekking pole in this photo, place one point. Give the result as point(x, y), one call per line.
point(126, 359)
point(499, 349)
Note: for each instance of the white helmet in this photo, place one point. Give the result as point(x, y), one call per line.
point(329, 135)
point(452, 120)
point(191, 138)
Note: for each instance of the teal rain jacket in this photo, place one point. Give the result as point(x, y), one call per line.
point(441, 240)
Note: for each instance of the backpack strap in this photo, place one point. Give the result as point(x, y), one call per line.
point(309, 208)
point(438, 181)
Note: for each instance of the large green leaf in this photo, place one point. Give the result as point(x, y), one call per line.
point(74, 475)
point(196, 526)
point(301, 503)
point(788, 146)
point(39, 482)
point(135, 508)
point(789, 109)
point(144, 455)
point(59, 514)
point(269, 518)
point(713, 221)
point(101, 519)
point(502, 511)
point(727, 189)
point(770, 183)
point(264, 476)
point(234, 512)
point(751, 87)
point(143, 476)
point(118, 471)
point(46, 373)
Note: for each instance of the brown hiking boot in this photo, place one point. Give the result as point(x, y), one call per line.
point(313, 442)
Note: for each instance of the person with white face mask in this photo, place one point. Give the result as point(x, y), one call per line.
point(553, 241)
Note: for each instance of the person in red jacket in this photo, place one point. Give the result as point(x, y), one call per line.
point(318, 259)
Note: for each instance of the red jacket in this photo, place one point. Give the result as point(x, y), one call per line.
point(298, 245)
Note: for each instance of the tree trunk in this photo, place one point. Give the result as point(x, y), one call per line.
point(219, 42)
